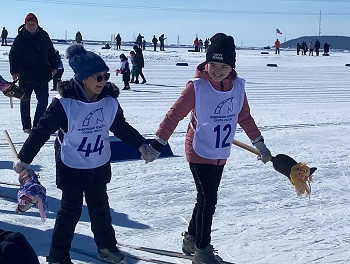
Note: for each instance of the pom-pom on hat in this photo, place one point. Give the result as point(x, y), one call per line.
point(84, 63)
point(30, 18)
point(222, 49)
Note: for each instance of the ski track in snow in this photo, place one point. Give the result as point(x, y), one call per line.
point(302, 108)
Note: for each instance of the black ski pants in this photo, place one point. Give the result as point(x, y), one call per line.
point(75, 184)
point(207, 178)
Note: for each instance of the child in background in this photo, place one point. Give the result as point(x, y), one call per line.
point(134, 66)
point(57, 78)
point(217, 101)
point(87, 103)
point(125, 71)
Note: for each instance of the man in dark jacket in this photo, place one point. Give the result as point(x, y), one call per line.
point(33, 61)
point(139, 61)
point(4, 34)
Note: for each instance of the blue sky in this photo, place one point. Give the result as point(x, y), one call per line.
point(250, 22)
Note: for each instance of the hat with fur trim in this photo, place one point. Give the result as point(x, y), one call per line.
point(222, 49)
point(84, 63)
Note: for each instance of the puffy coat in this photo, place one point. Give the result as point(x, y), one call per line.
point(55, 118)
point(32, 56)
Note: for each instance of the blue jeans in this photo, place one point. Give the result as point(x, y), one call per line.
point(42, 95)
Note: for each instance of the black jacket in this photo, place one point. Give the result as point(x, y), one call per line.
point(55, 118)
point(139, 60)
point(32, 56)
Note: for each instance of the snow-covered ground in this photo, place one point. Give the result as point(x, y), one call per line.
point(303, 109)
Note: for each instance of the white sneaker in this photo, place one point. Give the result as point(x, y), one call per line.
point(112, 256)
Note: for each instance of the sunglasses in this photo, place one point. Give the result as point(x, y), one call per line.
point(100, 78)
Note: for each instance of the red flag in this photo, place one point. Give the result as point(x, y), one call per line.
point(278, 31)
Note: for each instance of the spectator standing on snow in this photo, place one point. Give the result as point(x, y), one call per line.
point(79, 38)
point(200, 45)
point(139, 61)
point(82, 159)
point(206, 44)
point(209, 136)
point(326, 49)
point(277, 46)
point(33, 61)
point(57, 78)
point(304, 47)
point(139, 41)
point(196, 44)
point(161, 42)
point(154, 41)
point(317, 47)
point(311, 49)
point(4, 34)
point(118, 41)
point(298, 48)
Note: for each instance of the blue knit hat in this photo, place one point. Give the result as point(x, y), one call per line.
point(84, 63)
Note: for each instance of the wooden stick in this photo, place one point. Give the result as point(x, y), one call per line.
point(246, 147)
point(9, 141)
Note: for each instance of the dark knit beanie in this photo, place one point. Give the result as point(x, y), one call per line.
point(14, 248)
point(222, 49)
point(84, 63)
point(30, 18)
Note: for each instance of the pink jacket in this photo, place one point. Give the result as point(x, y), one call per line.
point(186, 103)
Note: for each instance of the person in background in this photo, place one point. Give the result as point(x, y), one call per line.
point(134, 66)
point(140, 64)
point(125, 71)
point(88, 102)
point(57, 78)
point(277, 46)
point(4, 34)
point(79, 38)
point(139, 40)
point(161, 42)
point(304, 48)
point(118, 41)
point(200, 45)
point(326, 49)
point(33, 61)
point(144, 42)
point(206, 44)
point(196, 44)
point(15, 248)
point(154, 41)
point(217, 101)
point(311, 49)
point(317, 47)
point(298, 48)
